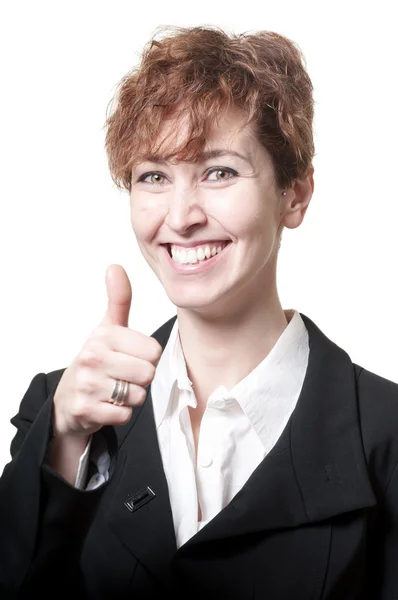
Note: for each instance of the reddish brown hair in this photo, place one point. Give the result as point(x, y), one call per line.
point(202, 71)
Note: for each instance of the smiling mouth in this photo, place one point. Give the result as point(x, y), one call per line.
point(197, 255)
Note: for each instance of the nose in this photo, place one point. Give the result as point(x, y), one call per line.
point(185, 212)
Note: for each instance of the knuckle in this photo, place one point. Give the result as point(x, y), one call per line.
point(84, 383)
point(79, 410)
point(140, 395)
point(102, 333)
point(125, 416)
point(137, 395)
point(157, 351)
point(92, 356)
point(148, 374)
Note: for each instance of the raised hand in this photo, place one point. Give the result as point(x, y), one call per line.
point(113, 351)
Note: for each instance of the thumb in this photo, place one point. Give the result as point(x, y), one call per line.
point(119, 292)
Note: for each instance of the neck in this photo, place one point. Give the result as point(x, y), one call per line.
point(224, 350)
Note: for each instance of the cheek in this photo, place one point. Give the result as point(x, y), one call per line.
point(146, 218)
point(246, 222)
point(242, 210)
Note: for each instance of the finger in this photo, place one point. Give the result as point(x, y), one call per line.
point(129, 368)
point(132, 343)
point(119, 293)
point(136, 394)
point(108, 413)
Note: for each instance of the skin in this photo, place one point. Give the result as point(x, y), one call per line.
point(222, 309)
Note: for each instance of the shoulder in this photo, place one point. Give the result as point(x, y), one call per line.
point(378, 415)
point(40, 387)
point(378, 403)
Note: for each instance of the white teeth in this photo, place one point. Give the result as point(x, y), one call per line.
point(192, 256)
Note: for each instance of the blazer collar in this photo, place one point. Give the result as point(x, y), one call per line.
point(315, 471)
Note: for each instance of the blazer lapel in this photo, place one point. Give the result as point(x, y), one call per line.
point(317, 468)
point(326, 437)
point(146, 528)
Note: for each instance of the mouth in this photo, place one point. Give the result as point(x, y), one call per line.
point(197, 258)
point(196, 254)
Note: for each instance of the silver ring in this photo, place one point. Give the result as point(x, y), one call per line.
point(120, 392)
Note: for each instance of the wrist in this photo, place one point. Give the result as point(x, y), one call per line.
point(64, 454)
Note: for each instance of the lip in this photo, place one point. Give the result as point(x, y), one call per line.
point(197, 243)
point(198, 267)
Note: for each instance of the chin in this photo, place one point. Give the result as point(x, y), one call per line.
point(214, 305)
point(190, 297)
point(189, 302)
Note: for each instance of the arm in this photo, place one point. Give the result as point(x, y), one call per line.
point(43, 519)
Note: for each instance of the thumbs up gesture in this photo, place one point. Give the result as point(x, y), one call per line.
point(82, 401)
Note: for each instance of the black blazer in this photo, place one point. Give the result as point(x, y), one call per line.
point(318, 518)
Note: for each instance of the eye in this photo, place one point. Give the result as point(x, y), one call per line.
point(153, 174)
point(220, 174)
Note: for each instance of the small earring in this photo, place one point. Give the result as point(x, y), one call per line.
point(284, 193)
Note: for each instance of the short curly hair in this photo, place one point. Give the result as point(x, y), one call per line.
point(202, 71)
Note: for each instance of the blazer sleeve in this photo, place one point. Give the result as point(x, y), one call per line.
point(43, 519)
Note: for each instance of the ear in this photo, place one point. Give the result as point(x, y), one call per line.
point(297, 200)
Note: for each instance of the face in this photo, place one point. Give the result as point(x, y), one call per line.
point(210, 230)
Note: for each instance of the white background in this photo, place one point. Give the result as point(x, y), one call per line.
point(63, 221)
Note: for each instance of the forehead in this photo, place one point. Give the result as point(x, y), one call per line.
point(228, 131)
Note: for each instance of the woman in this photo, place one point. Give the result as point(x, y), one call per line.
point(237, 452)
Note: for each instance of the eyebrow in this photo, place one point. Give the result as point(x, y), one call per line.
point(206, 155)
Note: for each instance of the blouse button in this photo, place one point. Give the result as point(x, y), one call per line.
point(205, 461)
point(219, 403)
